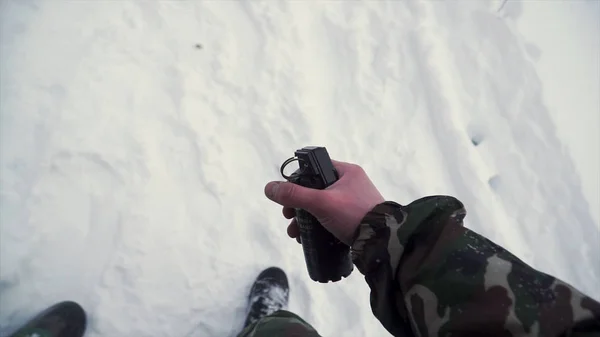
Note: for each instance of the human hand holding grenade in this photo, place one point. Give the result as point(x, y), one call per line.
point(327, 258)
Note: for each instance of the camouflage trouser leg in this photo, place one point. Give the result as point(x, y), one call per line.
point(280, 324)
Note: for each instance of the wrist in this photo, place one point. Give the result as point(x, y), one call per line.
point(370, 240)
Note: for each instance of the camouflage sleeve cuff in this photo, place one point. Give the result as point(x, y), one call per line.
point(374, 232)
point(386, 229)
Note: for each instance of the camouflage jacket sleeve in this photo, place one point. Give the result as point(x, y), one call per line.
point(430, 276)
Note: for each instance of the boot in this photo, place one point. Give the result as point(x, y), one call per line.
point(269, 293)
point(65, 319)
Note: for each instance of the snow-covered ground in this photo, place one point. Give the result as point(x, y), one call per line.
point(136, 138)
point(567, 37)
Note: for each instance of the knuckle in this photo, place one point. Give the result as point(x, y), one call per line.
point(357, 168)
point(289, 193)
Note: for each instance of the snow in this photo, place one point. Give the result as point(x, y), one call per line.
point(136, 139)
point(572, 93)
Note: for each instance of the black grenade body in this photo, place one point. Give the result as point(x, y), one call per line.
point(327, 258)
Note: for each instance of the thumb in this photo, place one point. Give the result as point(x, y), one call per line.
point(292, 195)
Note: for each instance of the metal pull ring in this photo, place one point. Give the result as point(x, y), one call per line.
point(286, 163)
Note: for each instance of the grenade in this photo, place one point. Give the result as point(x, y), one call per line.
point(327, 258)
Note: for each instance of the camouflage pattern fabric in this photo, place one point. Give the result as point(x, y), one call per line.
point(280, 324)
point(430, 276)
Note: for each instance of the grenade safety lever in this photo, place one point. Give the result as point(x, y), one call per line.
point(327, 258)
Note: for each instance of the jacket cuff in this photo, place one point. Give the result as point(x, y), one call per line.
point(369, 247)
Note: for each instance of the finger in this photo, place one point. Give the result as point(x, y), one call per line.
point(342, 167)
point(292, 195)
point(293, 230)
point(289, 212)
point(298, 240)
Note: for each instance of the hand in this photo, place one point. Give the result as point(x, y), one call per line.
point(339, 208)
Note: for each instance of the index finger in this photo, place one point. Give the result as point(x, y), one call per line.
point(341, 167)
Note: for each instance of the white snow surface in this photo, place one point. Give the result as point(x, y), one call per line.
point(137, 137)
point(567, 54)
